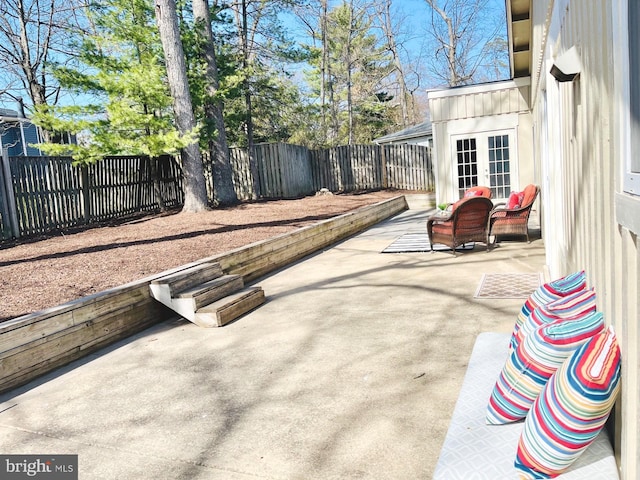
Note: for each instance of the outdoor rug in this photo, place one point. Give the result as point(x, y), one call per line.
point(419, 242)
point(508, 285)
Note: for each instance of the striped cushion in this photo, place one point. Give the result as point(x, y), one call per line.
point(572, 306)
point(549, 292)
point(528, 368)
point(571, 409)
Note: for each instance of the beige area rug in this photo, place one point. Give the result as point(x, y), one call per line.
point(508, 285)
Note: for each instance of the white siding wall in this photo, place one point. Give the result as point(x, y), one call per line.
point(475, 109)
point(579, 153)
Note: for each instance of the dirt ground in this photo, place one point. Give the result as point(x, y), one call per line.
point(44, 272)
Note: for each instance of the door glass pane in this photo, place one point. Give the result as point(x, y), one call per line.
point(467, 163)
point(499, 178)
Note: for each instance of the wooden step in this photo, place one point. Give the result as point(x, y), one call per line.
point(229, 308)
point(209, 292)
point(188, 278)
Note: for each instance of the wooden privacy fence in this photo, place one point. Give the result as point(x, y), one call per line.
point(50, 193)
point(41, 194)
point(367, 167)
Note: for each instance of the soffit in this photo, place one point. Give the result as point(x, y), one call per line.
point(519, 31)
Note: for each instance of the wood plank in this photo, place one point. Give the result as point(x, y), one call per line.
point(34, 331)
point(229, 308)
point(189, 277)
point(212, 290)
point(73, 348)
point(75, 336)
point(101, 306)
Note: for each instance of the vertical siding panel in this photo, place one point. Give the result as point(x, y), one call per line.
point(609, 252)
point(487, 98)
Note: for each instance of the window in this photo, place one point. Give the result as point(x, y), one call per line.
point(499, 171)
point(467, 157)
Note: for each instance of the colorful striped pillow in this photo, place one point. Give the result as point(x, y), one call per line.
point(530, 366)
point(549, 292)
point(572, 306)
point(571, 409)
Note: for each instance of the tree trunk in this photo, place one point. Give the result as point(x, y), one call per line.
point(385, 13)
point(243, 33)
point(36, 89)
point(449, 44)
point(323, 66)
point(195, 192)
point(224, 191)
point(349, 72)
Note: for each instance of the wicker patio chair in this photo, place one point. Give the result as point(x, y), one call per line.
point(467, 223)
point(515, 221)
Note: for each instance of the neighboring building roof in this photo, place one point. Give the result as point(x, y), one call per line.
point(421, 130)
point(5, 112)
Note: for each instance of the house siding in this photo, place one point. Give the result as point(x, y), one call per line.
point(580, 156)
point(480, 108)
point(12, 138)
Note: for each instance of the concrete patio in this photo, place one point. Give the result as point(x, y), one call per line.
point(350, 370)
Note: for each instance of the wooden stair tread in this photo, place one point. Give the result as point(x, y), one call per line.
point(208, 285)
point(189, 277)
point(229, 308)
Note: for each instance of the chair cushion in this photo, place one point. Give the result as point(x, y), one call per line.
point(528, 368)
point(571, 409)
point(515, 200)
point(547, 293)
point(443, 228)
point(529, 195)
point(478, 191)
point(572, 306)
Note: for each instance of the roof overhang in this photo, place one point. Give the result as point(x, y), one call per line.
point(519, 32)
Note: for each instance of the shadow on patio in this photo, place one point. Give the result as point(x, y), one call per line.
point(350, 370)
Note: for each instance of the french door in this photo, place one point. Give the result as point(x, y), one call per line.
point(488, 159)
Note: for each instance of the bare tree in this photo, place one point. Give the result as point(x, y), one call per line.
point(384, 16)
point(308, 14)
point(461, 32)
point(195, 192)
point(224, 191)
point(34, 34)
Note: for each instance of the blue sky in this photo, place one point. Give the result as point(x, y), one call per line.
point(414, 28)
point(414, 25)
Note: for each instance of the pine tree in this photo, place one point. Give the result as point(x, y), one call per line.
point(121, 78)
point(359, 65)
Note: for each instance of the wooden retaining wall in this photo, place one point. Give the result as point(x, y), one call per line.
point(38, 343)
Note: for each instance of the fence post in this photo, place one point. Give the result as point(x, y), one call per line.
point(12, 212)
point(383, 166)
point(86, 198)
